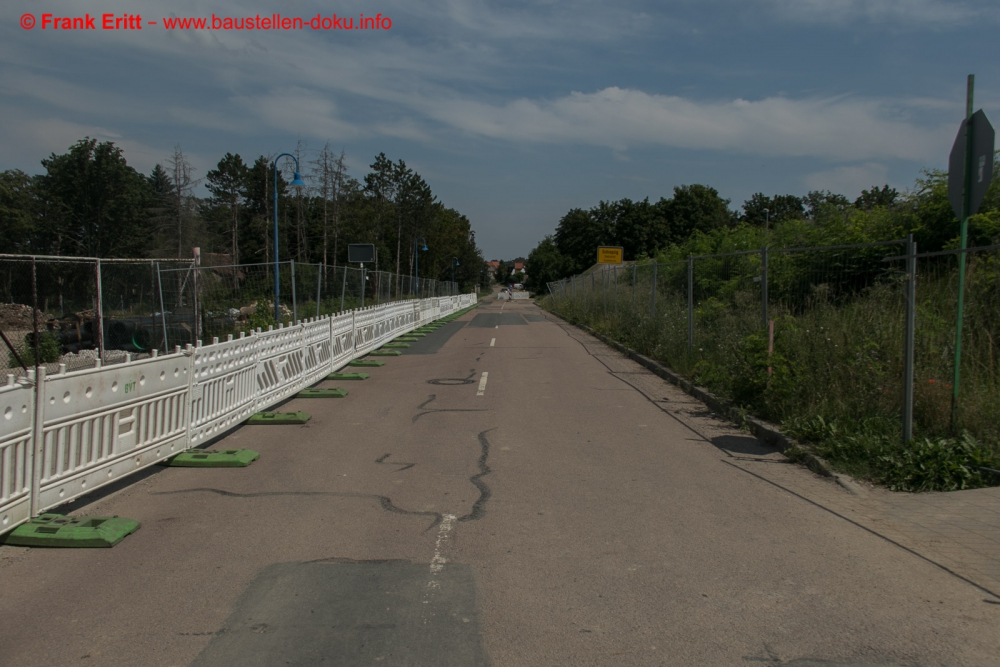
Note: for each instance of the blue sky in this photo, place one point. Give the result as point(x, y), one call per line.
point(516, 112)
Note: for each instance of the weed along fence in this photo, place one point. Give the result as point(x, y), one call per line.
point(853, 346)
point(67, 433)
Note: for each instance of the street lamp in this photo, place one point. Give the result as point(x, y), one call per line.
point(454, 263)
point(767, 218)
point(416, 254)
point(297, 182)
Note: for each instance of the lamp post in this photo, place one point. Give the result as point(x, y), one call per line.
point(454, 263)
point(297, 183)
point(767, 219)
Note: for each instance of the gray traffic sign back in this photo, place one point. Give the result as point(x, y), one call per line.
point(982, 164)
point(361, 253)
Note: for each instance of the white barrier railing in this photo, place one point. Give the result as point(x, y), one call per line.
point(96, 425)
point(17, 413)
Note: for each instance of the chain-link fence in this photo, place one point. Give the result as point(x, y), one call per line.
point(796, 333)
point(75, 310)
point(78, 310)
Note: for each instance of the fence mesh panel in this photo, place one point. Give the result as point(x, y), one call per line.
point(148, 304)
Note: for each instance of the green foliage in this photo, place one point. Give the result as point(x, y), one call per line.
point(49, 350)
point(873, 451)
point(91, 202)
point(95, 200)
point(262, 316)
point(547, 264)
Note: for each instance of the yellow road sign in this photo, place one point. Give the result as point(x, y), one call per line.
point(609, 254)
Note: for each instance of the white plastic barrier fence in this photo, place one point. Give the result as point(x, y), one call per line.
point(342, 340)
point(17, 414)
point(224, 386)
point(102, 423)
point(96, 425)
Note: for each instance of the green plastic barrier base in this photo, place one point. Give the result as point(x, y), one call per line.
point(57, 530)
point(384, 353)
point(322, 392)
point(348, 376)
point(392, 346)
point(366, 363)
point(413, 334)
point(208, 458)
point(265, 418)
point(409, 339)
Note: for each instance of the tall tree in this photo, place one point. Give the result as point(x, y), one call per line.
point(697, 207)
point(99, 200)
point(380, 188)
point(874, 197)
point(183, 202)
point(228, 185)
point(19, 214)
point(761, 210)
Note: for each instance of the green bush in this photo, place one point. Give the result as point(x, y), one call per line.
point(49, 350)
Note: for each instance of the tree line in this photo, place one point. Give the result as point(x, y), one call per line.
point(696, 220)
point(90, 202)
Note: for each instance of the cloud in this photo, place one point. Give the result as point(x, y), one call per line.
point(843, 128)
point(939, 13)
point(848, 180)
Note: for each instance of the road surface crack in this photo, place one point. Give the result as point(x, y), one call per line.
point(384, 501)
point(479, 507)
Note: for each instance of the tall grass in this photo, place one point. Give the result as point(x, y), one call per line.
point(834, 373)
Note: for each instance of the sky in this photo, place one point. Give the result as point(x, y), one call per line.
point(516, 112)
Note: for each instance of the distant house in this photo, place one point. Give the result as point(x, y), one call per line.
point(492, 267)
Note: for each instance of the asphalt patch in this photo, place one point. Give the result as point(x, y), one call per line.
point(348, 614)
point(491, 320)
point(434, 340)
point(535, 317)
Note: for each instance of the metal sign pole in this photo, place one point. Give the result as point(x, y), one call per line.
point(966, 205)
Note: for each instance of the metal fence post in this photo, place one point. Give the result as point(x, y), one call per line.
point(295, 310)
point(98, 312)
point(197, 293)
point(343, 290)
point(690, 304)
point(616, 288)
point(163, 311)
point(763, 284)
point(652, 294)
point(909, 342)
point(319, 286)
point(364, 279)
point(634, 277)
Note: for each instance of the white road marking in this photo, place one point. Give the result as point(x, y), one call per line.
point(438, 561)
point(482, 384)
point(493, 342)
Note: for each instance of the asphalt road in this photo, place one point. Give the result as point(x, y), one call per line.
point(508, 492)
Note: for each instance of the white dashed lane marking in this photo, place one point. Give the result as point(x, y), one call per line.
point(482, 384)
point(493, 342)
